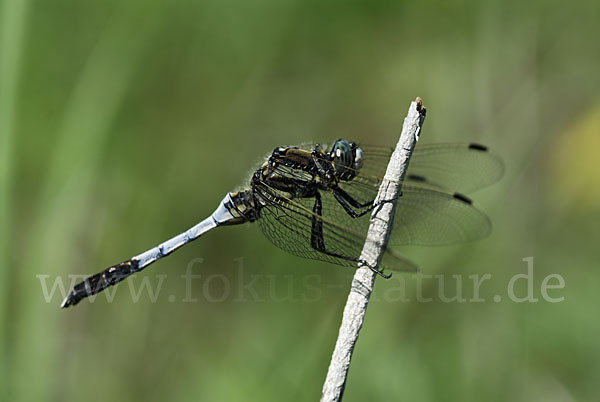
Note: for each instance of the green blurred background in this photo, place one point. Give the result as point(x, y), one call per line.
point(123, 123)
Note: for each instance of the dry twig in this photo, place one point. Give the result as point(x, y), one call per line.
point(377, 236)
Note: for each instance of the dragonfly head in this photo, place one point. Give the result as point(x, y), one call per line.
point(347, 159)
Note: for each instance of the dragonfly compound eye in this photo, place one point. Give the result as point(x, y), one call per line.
point(342, 155)
point(358, 158)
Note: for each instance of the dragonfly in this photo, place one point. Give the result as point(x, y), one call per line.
point(315, 202)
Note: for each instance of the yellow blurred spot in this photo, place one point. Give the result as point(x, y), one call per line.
point(575, 161)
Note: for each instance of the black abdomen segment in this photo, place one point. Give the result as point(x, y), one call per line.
point(100, 281)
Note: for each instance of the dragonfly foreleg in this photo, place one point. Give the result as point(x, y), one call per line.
point(375, 270)
point(347, 202)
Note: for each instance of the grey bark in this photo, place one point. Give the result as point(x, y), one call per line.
point(377, 236)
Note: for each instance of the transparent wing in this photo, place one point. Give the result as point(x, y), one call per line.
point(461, 167)
point(425, 215)
point(456, 167)
point(288, 224)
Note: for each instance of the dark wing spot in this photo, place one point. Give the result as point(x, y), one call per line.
point(462, 198)
point(478, 147)
point(416, 177)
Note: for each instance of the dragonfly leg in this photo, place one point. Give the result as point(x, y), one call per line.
point(351, 199)
point(347, 202)
point(316, 234)
point(375, 270)
point(317, 240)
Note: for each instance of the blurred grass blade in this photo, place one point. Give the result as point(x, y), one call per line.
point(98, 93)
point(12, 26)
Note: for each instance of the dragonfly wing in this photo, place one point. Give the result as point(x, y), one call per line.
point(425, 215)
point(456, 167)
point(288, 224)
point(429, 217)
